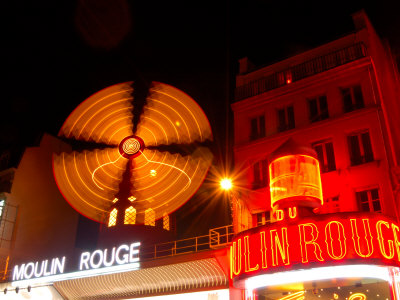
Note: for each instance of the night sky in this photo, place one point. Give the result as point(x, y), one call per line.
point(58, 53)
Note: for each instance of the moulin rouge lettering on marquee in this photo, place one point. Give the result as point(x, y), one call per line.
point(98, 259)
point(320, 240)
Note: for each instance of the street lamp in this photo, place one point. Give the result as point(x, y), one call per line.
point(226, 184)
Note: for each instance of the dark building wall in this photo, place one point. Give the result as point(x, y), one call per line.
point(46, 224)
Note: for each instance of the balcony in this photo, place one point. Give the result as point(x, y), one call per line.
point(301, 71)
point(217, 238)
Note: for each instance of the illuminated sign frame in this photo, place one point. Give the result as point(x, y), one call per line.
point(122, 258)
point(345, 238)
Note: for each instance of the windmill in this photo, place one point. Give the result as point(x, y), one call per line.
point(138, 154)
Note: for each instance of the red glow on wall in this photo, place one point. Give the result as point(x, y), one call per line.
point(328, 239)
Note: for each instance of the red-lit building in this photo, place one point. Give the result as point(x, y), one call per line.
point(341, 99)
point(335, 236)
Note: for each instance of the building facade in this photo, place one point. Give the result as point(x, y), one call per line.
point(341, 100)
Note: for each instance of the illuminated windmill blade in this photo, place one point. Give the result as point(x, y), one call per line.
point(182, 149)
point(164, 181)
point(122, 123)
point(89, 180)
point(140, 94)
point(172, 117)
point(105, 117)
point(80, 145)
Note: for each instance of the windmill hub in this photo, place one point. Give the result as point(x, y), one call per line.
point(131, 146)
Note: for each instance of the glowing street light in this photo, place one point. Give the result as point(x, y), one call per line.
point(226, 184)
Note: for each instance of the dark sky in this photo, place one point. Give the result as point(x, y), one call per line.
point(60, 52)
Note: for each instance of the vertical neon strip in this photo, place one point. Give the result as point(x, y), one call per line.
point(6, 270)
point(367, 237)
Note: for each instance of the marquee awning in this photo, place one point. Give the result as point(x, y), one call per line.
point(175, 278)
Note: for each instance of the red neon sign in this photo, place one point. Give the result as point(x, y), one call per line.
point(343, 238)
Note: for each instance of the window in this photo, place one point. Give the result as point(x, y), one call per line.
point(352, 98)
point(331, 205)
point(112, 221)
point(262, 218)
point(149, 217)
point(257, 128)
point(325, 155)
point(165, 219)
point(130, 215)
point(284, 77)
point(285, 118)
point(318, 108)
point(360, 148)
point(368, 200)
point(260, 174)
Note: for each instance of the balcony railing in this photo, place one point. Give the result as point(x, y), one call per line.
point(300, 71)
point(217, 238)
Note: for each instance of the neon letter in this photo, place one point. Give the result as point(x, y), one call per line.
point(311, 241)
point(134, 253)
point(279, 215)
point(396, 240)
point(236, 257)
point(37, 273)
point(84, 260)
point(358, 296)
point(292, 212)
point(18, 272)
point(59, 265)
point(124, 259)
point(283, 247)
point(46, 264)
point(29, 274)
point(264, 263)
point(381, 240)
point(101, 256)
point(247, 267)
point(367, 237)
point(341, 240)
point(112, 259)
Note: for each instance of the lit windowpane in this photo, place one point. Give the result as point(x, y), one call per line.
point(112, 221)
point(130, 215)
point(369, 200)
point(149, 217)
point(166, 222)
